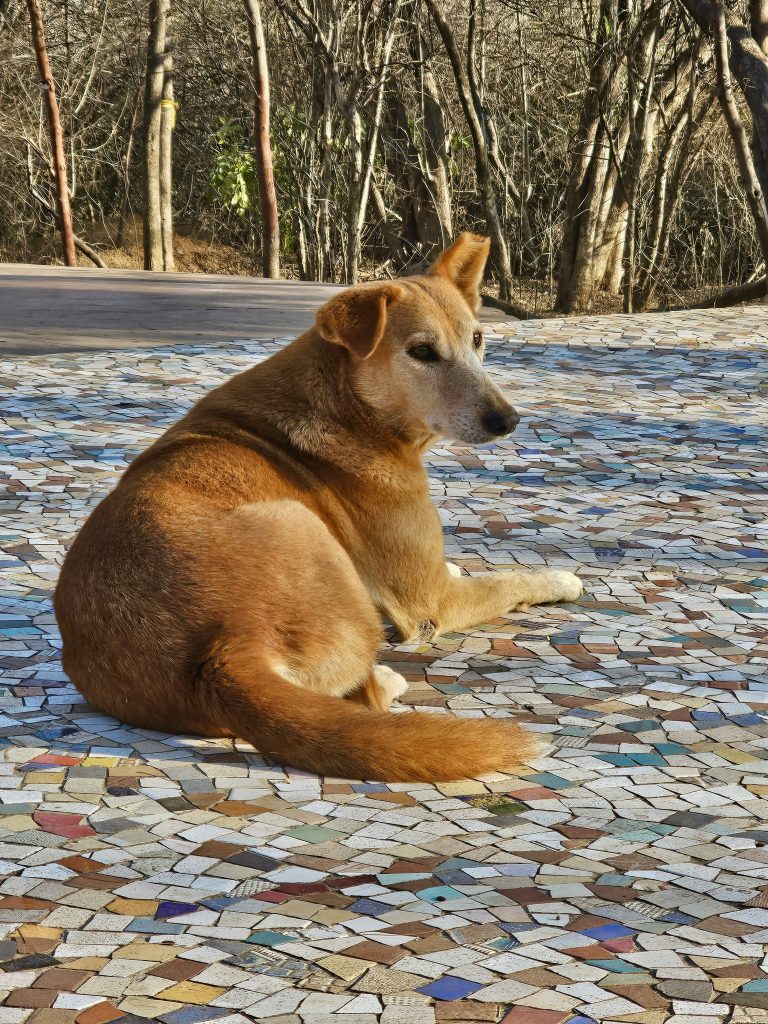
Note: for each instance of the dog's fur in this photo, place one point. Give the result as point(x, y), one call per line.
point(229, 585)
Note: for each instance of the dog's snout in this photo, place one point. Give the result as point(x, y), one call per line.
point(498, 422)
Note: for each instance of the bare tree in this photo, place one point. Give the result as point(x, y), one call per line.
point(743, 52)
point(41, 196)
point(167, 123)
point(348, 87)
point(483, 141)
point(64, 219)
point(270, 223)
point(584, 135)
point(156, 198)
point(640, 68)
point(435, 138)
point(677, 157)
point(752, 187)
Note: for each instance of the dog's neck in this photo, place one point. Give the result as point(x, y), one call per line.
point(305, 393)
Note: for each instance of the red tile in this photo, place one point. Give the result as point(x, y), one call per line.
point(530, 1015)
point(59, 824)
point(101, 1013)
point(55, 759)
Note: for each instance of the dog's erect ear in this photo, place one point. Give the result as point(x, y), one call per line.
point(356, 318)
point(463, 264)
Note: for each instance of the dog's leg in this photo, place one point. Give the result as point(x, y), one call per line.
point(461, 602)
point(382, 686)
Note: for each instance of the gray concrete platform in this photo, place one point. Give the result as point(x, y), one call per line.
point(49, 309)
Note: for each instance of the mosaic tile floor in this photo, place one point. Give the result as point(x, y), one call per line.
point(623, 877)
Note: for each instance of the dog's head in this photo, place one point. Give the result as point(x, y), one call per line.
point(416, 349)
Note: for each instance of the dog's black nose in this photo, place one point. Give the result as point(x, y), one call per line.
point(499, 422)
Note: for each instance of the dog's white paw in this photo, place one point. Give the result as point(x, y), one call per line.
point(566, 586)
point(390, 682)
point(453, 570)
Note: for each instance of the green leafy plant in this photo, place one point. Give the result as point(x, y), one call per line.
point(233, 177)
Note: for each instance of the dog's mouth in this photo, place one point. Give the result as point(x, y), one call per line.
point(472, 435)
point(492, 424)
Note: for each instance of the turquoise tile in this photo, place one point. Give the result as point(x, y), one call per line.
point(270, 938)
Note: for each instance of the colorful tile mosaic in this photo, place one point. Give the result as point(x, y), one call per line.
point(624, 877)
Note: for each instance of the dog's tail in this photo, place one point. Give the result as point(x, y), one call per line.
point(331, 736)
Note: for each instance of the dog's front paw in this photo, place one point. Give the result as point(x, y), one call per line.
point(563, 585)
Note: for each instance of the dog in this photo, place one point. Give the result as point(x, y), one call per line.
point(233, 581)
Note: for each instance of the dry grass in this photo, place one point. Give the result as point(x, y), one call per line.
point(193, 254)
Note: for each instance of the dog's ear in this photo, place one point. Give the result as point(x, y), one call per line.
point(356, 317)
point(463, 264)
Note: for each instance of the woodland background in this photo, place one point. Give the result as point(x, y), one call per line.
point(616, 151)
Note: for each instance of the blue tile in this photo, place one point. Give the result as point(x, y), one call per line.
point(437, 894)
point(618, 760)
point(603, 932)
point(168, 908)
point(270, 938)
point(194, 1014)
point(678, 917)
point(648, 759)
point(670, 748)
point(368, 908)
point(549, 781)
point(222, 902)
point(644, 725)
point(449, 988)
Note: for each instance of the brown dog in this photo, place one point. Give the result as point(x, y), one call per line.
point(229, 585)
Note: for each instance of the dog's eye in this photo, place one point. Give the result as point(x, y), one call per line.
point(424, 353)
point(477, 339)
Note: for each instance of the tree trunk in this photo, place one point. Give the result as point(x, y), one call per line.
point(153, 96)
point(363, 154)
point(374, 128)
point(614, 148)
point(758, 17)
point(609, 256)
point(499, 249)
point(325, 253)
point(580, 199)
point(640, 139)
point(394, 231)
point(38, 195)
point(270, 223)
point(352, 257)
point(732, 296)
point(167, 122)
point(526, 255)
point(434, 138)
point(676, 159)
point(414, 229)
point(752, 187)
point(64, 219)
point(749, 64)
